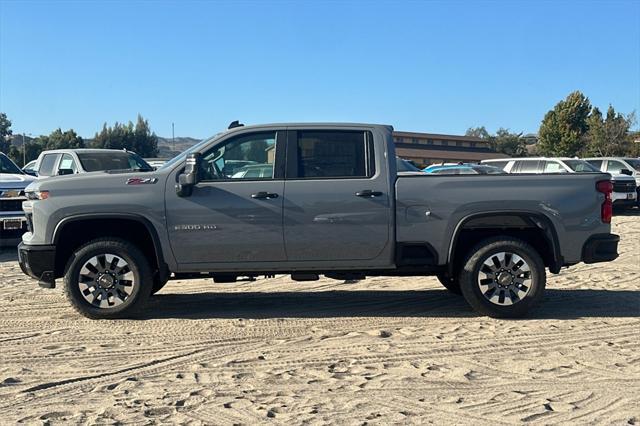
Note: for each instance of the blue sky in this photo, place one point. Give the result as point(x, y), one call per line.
point(421, 66)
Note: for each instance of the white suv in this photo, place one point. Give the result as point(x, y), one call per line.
point(624, 187)
point(616, 166)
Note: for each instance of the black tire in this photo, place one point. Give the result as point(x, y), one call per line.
point(450, 283)
point(138, 265)
point(488, 251)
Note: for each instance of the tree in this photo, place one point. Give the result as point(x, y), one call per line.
point(61, 140)
point(564, 128)
point(512, 144)
point(609, 136)
point(478, 132)
point(5, 133)
point(138, 138)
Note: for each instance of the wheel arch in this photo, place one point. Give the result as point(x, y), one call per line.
point(129, 220)
point(509, 223)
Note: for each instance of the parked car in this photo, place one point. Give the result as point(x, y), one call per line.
point(619, 166)
point(624, 187)
point(156, 162)
point(464, 169)
point(258, 171)
point(406, 168)
point(30, 168)
point(334, 205)
point(13, 222)
point(71, 161)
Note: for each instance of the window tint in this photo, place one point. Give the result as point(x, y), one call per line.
point(7, 166)
point(580, 166)
point(109, 160)
point(47, 164)
point(498, 164)
point(527, 166)
point(67, 163)
point(614, 166)
point(553, 167)
point(329, 154)
point(244, 157)
point(596, 163)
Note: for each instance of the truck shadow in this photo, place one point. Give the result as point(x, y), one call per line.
point(557, 304)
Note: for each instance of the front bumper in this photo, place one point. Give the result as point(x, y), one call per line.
point(600, 248)
point(38, 262)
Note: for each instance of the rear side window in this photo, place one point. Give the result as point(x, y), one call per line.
point(526, 166)
point(47, 164)
point(334, 154)
point(596, 163)
point(553, 167)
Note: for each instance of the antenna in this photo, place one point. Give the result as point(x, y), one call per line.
point(235, 124)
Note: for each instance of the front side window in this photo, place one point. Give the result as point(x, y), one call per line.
point(580, 166)
point(47, 164)
point(67, 163)
point(596, 163)
point(244, 157)
point(553, 167)
point(614, 166)
point(334, 154)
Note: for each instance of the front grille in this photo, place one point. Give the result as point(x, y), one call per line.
point(624, 186)
point(11, 205)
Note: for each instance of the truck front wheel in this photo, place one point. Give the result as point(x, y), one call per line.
point(107, 279)
point(503, 277)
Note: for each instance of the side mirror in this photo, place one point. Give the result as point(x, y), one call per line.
point(626, 172)
point(188, 179)
point(62, 172)
point(31, 172)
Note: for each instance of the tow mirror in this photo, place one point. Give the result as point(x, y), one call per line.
point(187, 179)
point(626, 172)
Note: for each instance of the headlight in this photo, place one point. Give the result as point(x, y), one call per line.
point(37, 195)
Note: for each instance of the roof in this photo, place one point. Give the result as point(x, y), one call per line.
point(439, 136)
point(82, 150)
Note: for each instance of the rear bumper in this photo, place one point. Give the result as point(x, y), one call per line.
point(600, 248)
point(38, 262)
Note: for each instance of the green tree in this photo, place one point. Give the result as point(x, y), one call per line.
point(511, 144)
point(138, 138)
point(609, 136)
point(564, 128)
point(478, 132)
point(5, 133)
point(61, 140)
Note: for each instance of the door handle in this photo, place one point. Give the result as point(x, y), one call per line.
point(368, 193)
point(263, 195)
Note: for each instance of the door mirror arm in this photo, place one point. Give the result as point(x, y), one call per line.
point(189, 178)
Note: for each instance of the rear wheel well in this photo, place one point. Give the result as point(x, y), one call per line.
point(76, 233)
point(531, 229)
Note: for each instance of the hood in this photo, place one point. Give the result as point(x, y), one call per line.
point(15, 181)
point(97, 182)
point(622, 178)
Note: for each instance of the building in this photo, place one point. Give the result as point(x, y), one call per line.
point(424, 149)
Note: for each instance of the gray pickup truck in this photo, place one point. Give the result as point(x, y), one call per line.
point(310, 200)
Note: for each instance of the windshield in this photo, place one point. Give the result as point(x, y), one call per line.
point(633, 162)
point(180, 157)
point(580, 166)
point(7, 166)
point(109, 160)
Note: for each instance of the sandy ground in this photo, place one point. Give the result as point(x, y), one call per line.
point(376, 352)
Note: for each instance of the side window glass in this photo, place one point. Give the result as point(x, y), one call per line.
point(47, 164)
point(67, 163)
point(614, 166)
point(333, 154)
point(244, 157)
point(553, 167)
point(528, 167)
point(596, 163)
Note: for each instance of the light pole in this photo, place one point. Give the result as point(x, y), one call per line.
point(24, 149)
point(173, 137)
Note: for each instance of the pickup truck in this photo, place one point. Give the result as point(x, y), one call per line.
point(12, 185)
point(334, 205)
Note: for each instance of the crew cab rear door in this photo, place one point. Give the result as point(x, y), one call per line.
point(338, 200)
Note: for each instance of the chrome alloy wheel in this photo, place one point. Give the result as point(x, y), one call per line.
point(504, 278)
point(106, 281)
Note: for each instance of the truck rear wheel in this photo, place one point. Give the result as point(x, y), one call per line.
point(450, 283)
point(107, 279)
point(503, 277)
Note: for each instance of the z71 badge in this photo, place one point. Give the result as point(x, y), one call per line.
point(141, 181)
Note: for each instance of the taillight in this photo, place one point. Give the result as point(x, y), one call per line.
point(606, 210)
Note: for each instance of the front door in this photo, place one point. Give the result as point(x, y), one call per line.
point(337, 199)
point(235, 211)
